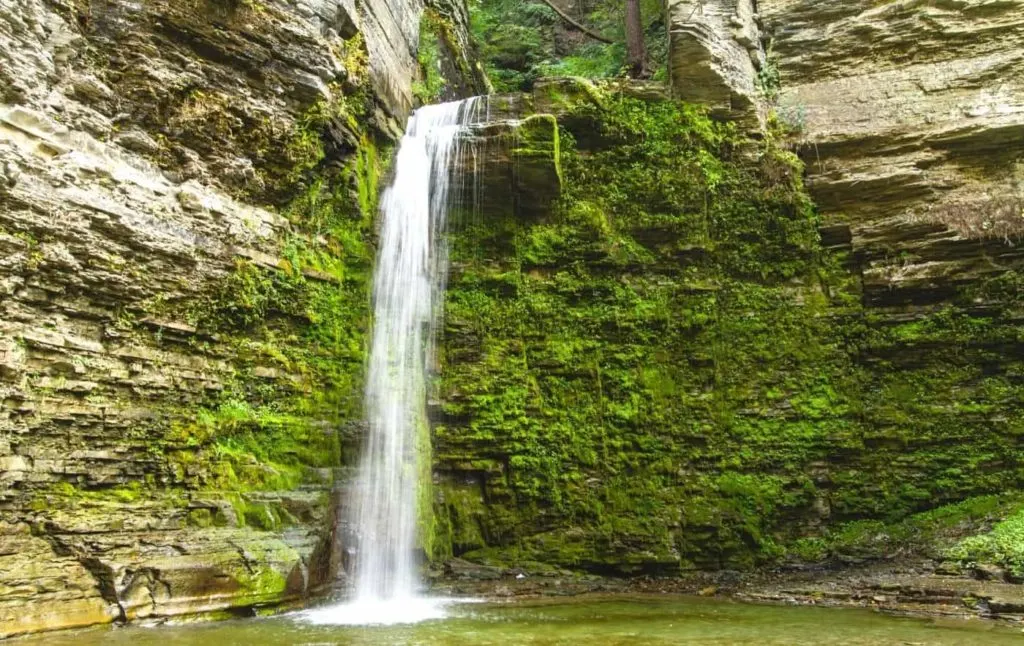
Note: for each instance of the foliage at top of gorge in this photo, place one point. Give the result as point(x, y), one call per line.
point(523, 40)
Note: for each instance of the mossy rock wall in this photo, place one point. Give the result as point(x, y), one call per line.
point(672, 370)
point(187, 202)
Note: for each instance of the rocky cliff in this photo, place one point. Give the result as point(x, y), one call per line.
point(716, 55)
point(908, 114)
point(653, 377)
point(186, 217)
point(911, 119)
point(659, 354)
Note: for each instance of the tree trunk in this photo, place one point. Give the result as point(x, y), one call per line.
point(636, 56)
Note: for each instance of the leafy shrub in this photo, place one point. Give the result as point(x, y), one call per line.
point(1003, 546)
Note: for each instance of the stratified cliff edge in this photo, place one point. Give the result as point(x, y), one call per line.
point(671, 345)
point(187, 196)
point(911, 116)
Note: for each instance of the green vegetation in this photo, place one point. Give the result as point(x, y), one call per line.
point(1003, 546)
point(69, 493)
point(429, 89)
point(929, 533)
point(769, 78)
point(258, 447)
point(293, 326)
point(449, 68)
point(521, 41)
point(668, 372)
point(298, 334)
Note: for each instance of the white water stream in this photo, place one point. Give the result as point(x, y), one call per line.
point(408, 291)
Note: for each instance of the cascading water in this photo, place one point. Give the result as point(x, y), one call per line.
point(407, 300)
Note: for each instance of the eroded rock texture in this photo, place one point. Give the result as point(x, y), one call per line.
point(672, 369)
point(654, 377)
point(186, 213)
point(715, 53)
point(508, 167)
point(912, 117)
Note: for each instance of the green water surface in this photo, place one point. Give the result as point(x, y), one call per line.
point(611, 621)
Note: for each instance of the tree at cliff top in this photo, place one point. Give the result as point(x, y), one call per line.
point(636, 59)
point(521, 40)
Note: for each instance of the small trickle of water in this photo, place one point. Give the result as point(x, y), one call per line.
point(407, 297)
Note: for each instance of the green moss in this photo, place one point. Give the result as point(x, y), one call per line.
point(931, 533)
point(294, 332)
point(459, 513)
point(123, 493)
point(201, 518)
point(432, 83)
point(259, 581)
point(667, 371)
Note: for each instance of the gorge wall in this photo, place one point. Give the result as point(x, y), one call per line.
point(643, 380)
point(187, 196)
point(659, 354)
point(911, 118)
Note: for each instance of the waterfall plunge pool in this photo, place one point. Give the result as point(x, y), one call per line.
point(619, 620)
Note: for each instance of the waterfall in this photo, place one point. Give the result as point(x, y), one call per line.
point(408, 295)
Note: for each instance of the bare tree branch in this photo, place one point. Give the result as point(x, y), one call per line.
point(584, 29)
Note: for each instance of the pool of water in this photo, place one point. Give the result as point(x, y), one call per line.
point(602, 621)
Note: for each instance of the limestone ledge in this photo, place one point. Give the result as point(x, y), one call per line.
point(715, 53)
point(101, 562)
point(89, 233)
point(94, 235)
point(509, 166)
point(911, 118)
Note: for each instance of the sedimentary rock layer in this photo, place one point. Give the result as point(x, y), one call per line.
point(187, 194)
point(715, 54)
point(671, 369)
point(911, 118)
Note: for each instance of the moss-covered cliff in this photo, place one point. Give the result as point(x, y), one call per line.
point(671, 370)
point(187, 202)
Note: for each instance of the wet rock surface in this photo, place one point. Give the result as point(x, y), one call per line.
point(607, 411)
point(156, 165)
point(909, 588)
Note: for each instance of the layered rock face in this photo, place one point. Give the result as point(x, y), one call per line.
point(715, 54)
point(650, 402)
point(186, 211)
point(651, 363)
point(448, 55)
point(911, 116)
